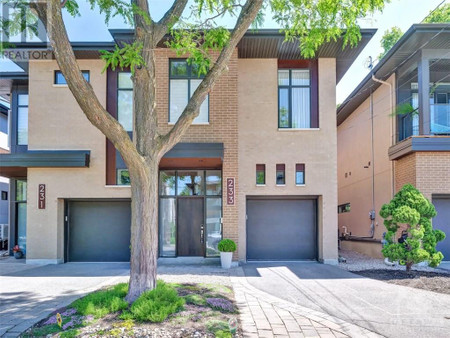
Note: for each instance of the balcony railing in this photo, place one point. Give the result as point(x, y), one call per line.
point(440, 119)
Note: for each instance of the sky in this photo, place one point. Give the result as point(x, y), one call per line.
point(90, 26)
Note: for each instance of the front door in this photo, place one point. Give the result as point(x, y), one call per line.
point(190, 234)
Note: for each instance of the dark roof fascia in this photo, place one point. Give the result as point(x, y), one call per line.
point(76, 45)
point(343, 111)
point(14, 75)
point(415, 144)
point(47, 159)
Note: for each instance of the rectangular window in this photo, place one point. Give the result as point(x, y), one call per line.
point(22, 119)
point(299, 173)
point(260, 174)
point(184, 80)
point(343, 208)
point(125, 100)
point(294, 98)
point(4, 195)
point(123, 177)
point(281, 174)
point(61, 80)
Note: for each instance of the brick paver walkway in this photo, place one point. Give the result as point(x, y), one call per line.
point(263, 315)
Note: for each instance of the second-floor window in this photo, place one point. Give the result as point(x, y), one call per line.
point(22, 119)
point(61, 80)
point(184, 80)
point(294, 98)
point(125, 100)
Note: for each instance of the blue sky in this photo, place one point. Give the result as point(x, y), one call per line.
point(403, 13)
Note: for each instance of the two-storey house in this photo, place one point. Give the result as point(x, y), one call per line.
point(258, 165)
point(395, 129)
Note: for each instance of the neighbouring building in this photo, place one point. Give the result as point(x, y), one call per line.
point(258, 165)
point(395, 129)
point(4, 182)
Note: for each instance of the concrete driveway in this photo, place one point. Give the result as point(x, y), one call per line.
point(29, 293)
point(387, 309)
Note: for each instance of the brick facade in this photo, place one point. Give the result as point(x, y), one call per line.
point(222, 127)
point(427, 171)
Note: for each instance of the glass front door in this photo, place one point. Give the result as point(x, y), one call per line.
point(21, 214)
point(178, 227)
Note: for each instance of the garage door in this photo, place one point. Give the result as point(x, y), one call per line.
point(99, 231)
point(281, 229)
point(442, 222)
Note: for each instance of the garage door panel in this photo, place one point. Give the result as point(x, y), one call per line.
point(281, 229)
point(99, 231)
point(442, 222)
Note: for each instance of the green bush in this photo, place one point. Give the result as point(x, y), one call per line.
point(227, 245)
point(155, 305)
point(418, 243)
point(102, 302)
point(195, 299)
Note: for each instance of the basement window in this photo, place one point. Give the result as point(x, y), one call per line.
point(342, 208)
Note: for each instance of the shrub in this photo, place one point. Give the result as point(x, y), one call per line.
point(215, 325)
point(419, 239)
point(195, 299)
point(227, 245)
point(156, 305)
point(102, 302)
point(221, 304)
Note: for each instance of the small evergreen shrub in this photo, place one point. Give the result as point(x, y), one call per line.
point(418, 241)
point(227, 245)
point(155, 305)
point(102, 302)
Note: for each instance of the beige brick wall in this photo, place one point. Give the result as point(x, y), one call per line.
point(433, 173)
point(56, 122)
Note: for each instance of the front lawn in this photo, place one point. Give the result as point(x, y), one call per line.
point(171, 310)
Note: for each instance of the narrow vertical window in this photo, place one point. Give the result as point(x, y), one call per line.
point(184, 80)
point(299, 174)
point(125, 100)
point(281, 174)
point(260, 174)
point(294, 98)
point(22, 119)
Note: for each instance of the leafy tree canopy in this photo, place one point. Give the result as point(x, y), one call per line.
point(389, 39)
point(439, 15)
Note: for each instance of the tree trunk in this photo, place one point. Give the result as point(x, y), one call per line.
point(144, 229)
point(409, 266)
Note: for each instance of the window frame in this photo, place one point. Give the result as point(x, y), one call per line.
point(312, 67)
point(4, 196)
point(280, 167)
point(119, 89)
point(55, 77)
point(259, 170)
point(303, 170)
point(28, 117)
point(187, 77)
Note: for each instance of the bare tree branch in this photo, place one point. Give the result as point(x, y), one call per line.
point(246, 17)
point(83, 92)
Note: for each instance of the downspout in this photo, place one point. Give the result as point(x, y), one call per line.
point(391, 106)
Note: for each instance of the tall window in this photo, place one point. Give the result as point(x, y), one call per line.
point(294, 98)
point(22, 119)
point(125, 100)
point(300, 173)
point(184, 80)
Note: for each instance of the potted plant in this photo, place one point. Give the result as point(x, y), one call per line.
point(226, 248)
point(18, 253)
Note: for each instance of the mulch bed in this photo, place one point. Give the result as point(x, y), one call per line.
point(425, 280)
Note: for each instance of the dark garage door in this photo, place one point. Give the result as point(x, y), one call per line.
point(99, 231)
point(442, 222)
point(281, 229)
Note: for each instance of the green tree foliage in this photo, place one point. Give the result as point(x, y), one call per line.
point(439, 15)
point(389, 39)
point(411, 211)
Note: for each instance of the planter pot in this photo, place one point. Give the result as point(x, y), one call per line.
point(18, 254)
point(225, 259)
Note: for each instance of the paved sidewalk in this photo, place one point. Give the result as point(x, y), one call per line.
point(30, 293)
point(263, 315)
